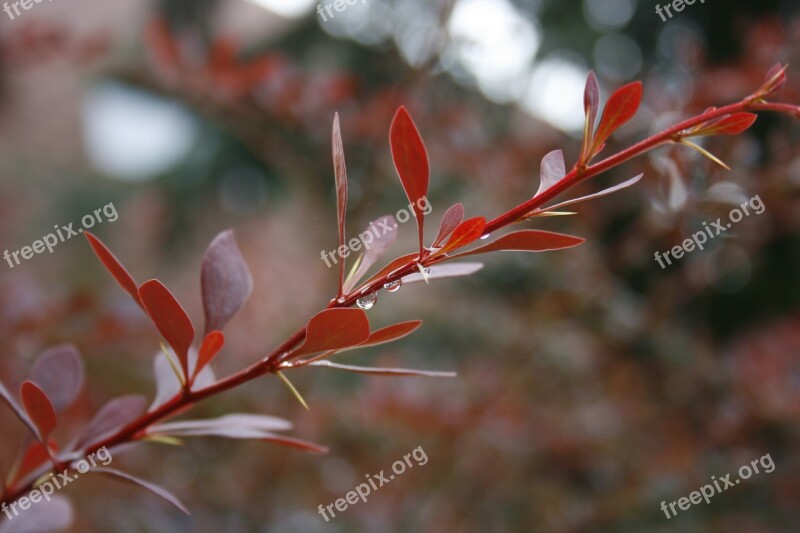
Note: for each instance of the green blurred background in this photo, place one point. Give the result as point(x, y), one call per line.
point(592, 384)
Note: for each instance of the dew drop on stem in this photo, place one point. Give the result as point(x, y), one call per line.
point(393, 286)
point(367, 301)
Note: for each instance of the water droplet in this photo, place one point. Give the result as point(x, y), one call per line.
point(393, 286)
point(484, 237)
point(367, 301)
point(426, 271)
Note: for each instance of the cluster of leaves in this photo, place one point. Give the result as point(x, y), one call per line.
point(184, 374)
point(266, 81)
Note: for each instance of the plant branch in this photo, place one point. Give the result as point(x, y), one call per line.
point(273, 362)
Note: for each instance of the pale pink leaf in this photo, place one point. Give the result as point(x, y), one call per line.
point(399, 372)
point(553, 170)
point(58, 371)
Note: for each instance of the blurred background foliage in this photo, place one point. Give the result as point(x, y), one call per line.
point(592, 383)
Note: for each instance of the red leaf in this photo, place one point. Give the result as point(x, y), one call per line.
point(211, 346)
point(334, 329)
point(114, 267)
point(411, 161)
point(591, 99)
point(553, 170)
point(529, 240)
point(445, 271)
point(376, 248)
point(776, 78)
point(391, 333)
point(58, 371)
point(296, 443)
point(620, 108)
point(226, 281)
point(468, 231)
point(17, 410)
point(111, 417)
point(170, 319)
point(396, 372)
point(39, 409)
point(386, 335)
point(730, 125)
point(450, 221)
point(340, 173)
point(591, 105)
point(155, 489)
point(391, 267)
point(34, 457)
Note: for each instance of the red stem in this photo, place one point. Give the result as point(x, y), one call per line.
point(271, 363)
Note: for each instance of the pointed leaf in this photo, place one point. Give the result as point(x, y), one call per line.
point(232, 421)
point(170, 319)
point(114, 267)
point(411, 162)
point(211, 346)
point(445, 271)
point(295, 443)
point(376, 248)
point(340, 174)
point(467, 232)
point(730, 125)
point(591, 100)
point(591, 106)
point(226, 281)
point(17, 410)
point(620, 108)
point(377, 337)
point(391, 333)
point(553, 170)
point(604, 192)
point(155, 489)
point(391, 267)
point(50, 516)
point(775, 79)
point(112, 417)
point(530, 240)
point(396, 372)
point(167, 383)
point(333, 329)
point(34, 457)
point(58, 371)
point(39, 409)
point(450, 221)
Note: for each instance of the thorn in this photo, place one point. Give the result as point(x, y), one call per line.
point(175, 368)
point(293, 390)
point(706, 153)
